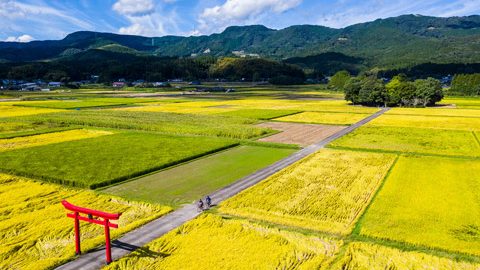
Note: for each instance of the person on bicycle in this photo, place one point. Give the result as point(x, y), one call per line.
point(208, 200)
point(200, 205)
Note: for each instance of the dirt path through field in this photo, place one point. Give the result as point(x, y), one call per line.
point(155, 229)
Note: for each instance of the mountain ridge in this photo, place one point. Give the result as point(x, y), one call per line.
point(395, 42)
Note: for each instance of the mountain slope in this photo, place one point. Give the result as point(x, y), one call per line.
point(387, 43)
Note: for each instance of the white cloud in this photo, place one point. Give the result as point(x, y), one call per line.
point(241, 12)
point(147, 18)
point(134, 7)
point(22, 38)
point(14, 10)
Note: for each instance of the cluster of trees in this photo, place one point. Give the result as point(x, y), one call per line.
point(466, 84)
point(252, 69)
point(368, 90)
point(337, 82)
point(111, 66)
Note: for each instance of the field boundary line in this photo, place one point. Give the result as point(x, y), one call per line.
point(358, 224)
point(411, 247)
point(158, 227)
point(357, 149)
point(476, 137)
point(430, 115)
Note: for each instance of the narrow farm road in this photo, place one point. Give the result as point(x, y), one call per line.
point(155, 229)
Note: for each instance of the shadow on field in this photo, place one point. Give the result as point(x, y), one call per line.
point(139, 252)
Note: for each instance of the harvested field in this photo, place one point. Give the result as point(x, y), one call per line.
point(301, 134)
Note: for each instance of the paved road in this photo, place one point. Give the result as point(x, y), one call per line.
point(155, 229)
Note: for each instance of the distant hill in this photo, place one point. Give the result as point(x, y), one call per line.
point(392, 43)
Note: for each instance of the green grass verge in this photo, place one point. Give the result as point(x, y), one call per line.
point(188, 182)
point(109, 159)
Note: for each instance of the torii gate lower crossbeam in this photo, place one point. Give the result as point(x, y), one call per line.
point(93, 216)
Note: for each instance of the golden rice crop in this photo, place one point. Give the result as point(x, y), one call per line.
point(35, 232)
point(435, 122)
point(363, 256)
point(463, 102)
point(326, 191)
point(49, 138)
point(431, 202)
point(412, 140)
point(12, 111)
point(210, 242)
point(178, 108)
point(435, 112)
point(324, 118)
point(302, 105)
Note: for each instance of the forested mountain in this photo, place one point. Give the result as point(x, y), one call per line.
point(392, 43)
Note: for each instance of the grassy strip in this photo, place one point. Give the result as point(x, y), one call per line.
point(178, 185)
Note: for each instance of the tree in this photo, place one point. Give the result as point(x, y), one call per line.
point(407, 91)
point(393, 88)
point(352, 89)
point(466, 84)
point(338, 81)
point(372, 92)
point(428, 91)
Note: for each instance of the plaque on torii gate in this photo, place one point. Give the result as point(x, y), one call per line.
point(92, 216)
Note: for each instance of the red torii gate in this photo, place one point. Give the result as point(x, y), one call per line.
point(92, 217)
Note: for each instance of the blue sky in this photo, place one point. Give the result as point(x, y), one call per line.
point(25, 20)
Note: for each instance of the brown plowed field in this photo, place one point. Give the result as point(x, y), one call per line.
point(301, 134)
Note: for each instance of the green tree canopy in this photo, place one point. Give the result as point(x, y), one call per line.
point(338, 81)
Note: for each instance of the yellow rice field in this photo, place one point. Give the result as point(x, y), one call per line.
point(49, 138)
point(301, 105)
point(324, 118)
point(35, 232)
point(178, 108)
point(210, 242)
point(431, 202)
point(12, 111)
point(435, 122)
point(435, 112)
point(363, 256)
point(326, 191)
point(219, 106)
